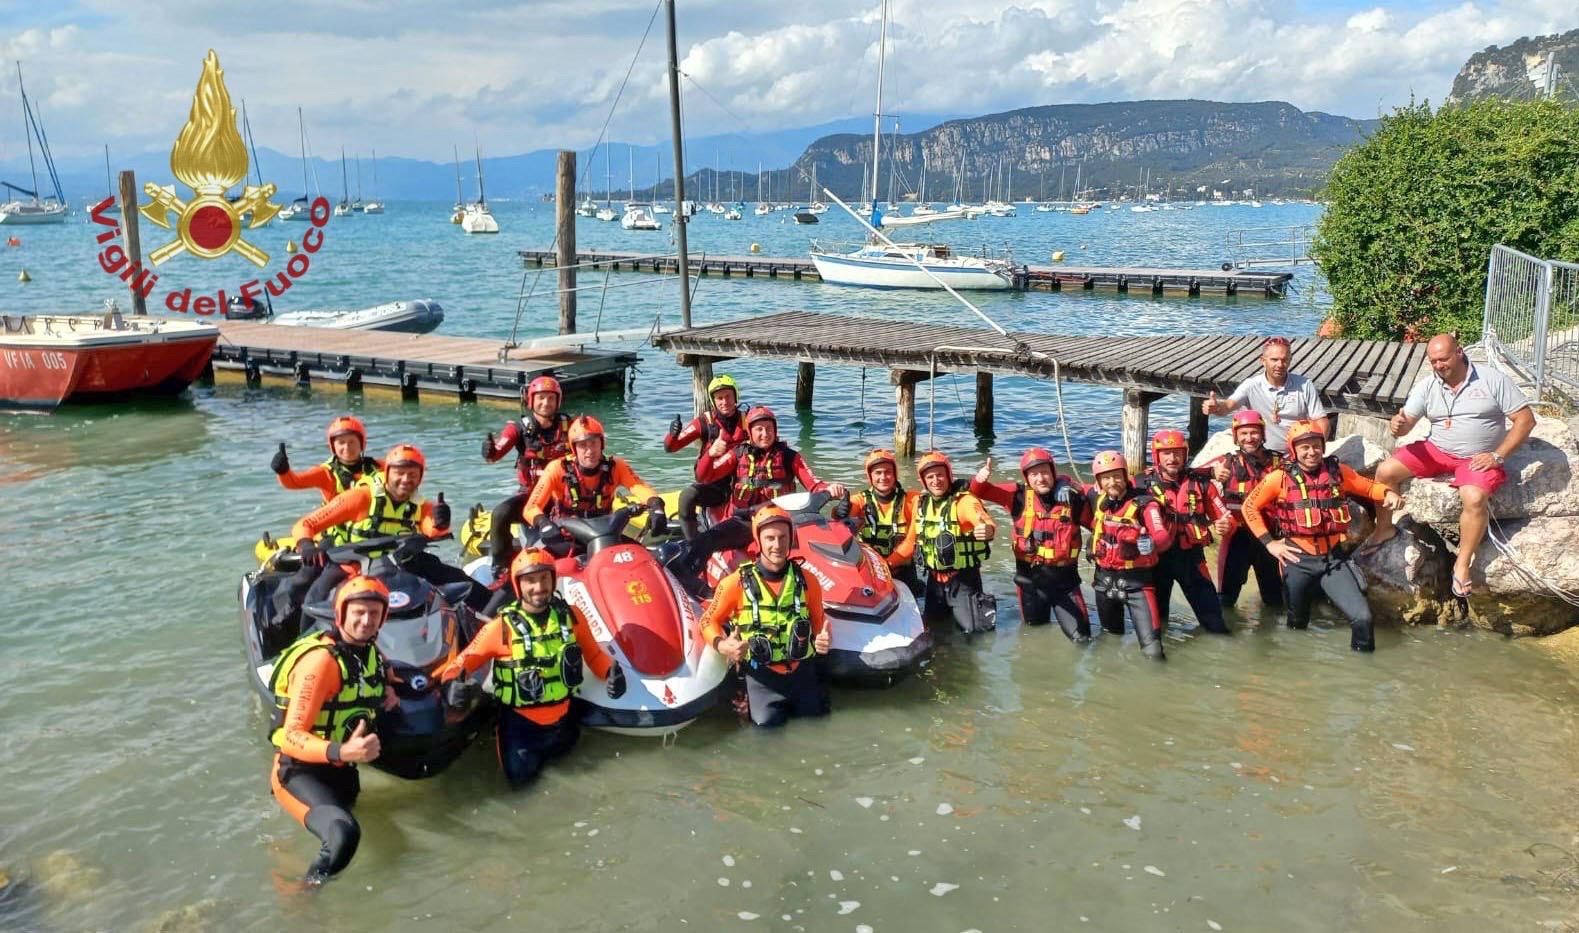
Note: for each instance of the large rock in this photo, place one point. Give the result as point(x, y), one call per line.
point(1513, 592)
point(1350, 449)
point(1409, 577)
point(1540, 482)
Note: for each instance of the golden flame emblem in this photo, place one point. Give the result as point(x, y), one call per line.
point(210, 158)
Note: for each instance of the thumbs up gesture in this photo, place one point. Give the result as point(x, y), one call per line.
point(362, 746)
point(1209, 407)
point(280, 463)
point(1399, 425)
point(441, 512)
point(487, 446)
point(983, 474)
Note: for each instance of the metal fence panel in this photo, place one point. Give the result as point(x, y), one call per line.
point(1531, 317)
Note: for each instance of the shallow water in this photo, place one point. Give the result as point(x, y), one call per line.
point(1018, 783)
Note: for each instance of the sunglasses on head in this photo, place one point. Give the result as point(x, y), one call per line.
point(1275, 342)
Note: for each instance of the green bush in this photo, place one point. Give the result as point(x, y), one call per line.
point(1412, 212)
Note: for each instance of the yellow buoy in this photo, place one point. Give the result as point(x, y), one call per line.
point(756, 247)
point(1058, 255)
point(24, 277)
point(290, 246)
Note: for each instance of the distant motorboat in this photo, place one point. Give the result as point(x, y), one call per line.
point(299, 210)
point(639, 217)
point(407, 317)
point(805, 217)
point(661, 208)
point(606, 213)
point(734, 213)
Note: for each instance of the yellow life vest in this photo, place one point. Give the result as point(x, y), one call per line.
point(944, 545)
point(881, 527)
point(364, 473)
point(774, 617)
point(385, 516)
point(361, 688)
point(546, 647)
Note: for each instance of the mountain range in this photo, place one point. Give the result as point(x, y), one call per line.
point(1518, 71)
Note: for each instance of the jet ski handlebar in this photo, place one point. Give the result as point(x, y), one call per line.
point(606, 528)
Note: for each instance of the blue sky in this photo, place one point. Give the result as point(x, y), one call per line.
point(408, 77)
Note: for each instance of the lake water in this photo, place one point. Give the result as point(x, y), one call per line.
point(1269, 779)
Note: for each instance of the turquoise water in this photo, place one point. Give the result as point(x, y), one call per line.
point(1271, 778)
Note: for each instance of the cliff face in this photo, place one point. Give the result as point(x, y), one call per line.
point(1270, 147)
point(1518, 71)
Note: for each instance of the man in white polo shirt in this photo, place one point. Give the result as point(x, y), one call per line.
point(1469, 409)
point(1280, 396)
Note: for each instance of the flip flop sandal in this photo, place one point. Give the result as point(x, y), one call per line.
point(1463, 589)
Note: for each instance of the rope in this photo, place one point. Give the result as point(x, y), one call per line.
point(1506, 550)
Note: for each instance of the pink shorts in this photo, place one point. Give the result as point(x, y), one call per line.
point(1425, 459)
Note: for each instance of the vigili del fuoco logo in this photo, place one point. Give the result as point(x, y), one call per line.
point(209, 158)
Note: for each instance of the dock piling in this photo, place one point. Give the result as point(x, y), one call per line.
point(565, 239)
point(805, 376)
point(701, 375)
point(905, 411)
point(984, 404)
point(1136, 427)
point(1200, 428)
point(129, 233)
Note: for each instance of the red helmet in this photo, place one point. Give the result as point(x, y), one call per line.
point(530, 560)
point(345, 424)
point(769, 515)
point(542, 384)
point(1037, 456)
point(934, 458)
point(585, 428)
point(1168, 439)
point(761, 413)
point(1304, 430)
point(1248, 418)
point(1106, 462)
point(359, 587)
point(880, 456)
point(405, 454)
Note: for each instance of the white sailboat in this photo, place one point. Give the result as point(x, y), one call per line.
point(638, 214)
point(300, 210)
point(606, 213)
point(34, 211)
point(477, 218)
point(343, 209)
point(879, 265)
point(659, 207)
point(373, 205)
point(458, 212)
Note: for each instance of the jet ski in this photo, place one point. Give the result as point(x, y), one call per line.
point(427, 626)
point(877, 630)
point(641, 616)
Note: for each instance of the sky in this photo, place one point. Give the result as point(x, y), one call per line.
point(413, 77)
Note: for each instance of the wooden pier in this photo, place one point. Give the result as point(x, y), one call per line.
point(1358, 376)
point(415, 364)
point(1125, 279)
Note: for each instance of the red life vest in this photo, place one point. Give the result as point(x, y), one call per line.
point(1313, 505)
point(1183, 507)
point(760, 475)
point(713, 429)
point(579, 502)
point(1046, 536)
point(536, 446)
point(1245, 474)
point(1116, 531)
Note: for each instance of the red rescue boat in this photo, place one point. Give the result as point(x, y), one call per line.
point(46, 359)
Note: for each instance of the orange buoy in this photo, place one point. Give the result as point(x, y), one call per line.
point(13, 241)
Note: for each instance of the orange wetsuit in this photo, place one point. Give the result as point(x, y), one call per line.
point(493, 643)
point(551, 495)
point(729, 597)
point(317, 477)
point(1269, 494)
point(352, 506)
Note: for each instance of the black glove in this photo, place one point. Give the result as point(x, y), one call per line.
point(308, 549)
point(657, 520)
point(487, 447)
point(459, 693)
point(840, 510)
point(676, 426)
point(441, 512)
point(280, 463)
point(616, 682)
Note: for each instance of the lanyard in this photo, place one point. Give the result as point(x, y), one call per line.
point(1451, 398)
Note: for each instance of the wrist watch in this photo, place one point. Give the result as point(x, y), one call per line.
point(1497, 457)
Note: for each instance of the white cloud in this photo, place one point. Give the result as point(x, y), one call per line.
point(393, 76)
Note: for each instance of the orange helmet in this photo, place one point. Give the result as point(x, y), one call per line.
point(1303, 430)
point(1106, 462)
point(1036, 456)
point(1168, 439)
point(768, 515)
point(934, 458)
point(359, 587)
point(761, 413)
point(530, 560)
point(404, 454)
point(345, 424)
point(880, 456)
point(585, 428)
point(1248, 418)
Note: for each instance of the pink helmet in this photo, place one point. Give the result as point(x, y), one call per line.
point(1248, 418)
point(1107, 461)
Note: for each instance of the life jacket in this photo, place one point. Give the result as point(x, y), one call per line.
point(365, 473)
point(713, 428)
point(1116, 531)
point(385, 516)
point(548, 647)
point(536, 446)
point(761, 475)
point(361, 688)
point(583, 504)
point(1313, 506)
point(945, 547)
point(774, 617)
point(1043, 535)
point(1245, 474)
point(883, 526)
point(1191, 527)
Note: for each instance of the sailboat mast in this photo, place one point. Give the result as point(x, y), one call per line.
point(27, 130)
point(877, 114)
point(301, 130)
point(359, 179)
point(482, 198)
point(457, 153)
point(345, 180)
point(375, 179)
point(107, 183)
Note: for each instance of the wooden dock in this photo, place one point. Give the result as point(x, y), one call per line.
point(1358, 376)
point(466, 367)
point(1124, 279)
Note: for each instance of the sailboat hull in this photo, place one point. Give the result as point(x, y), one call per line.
point(29, 214)
point(878, 272)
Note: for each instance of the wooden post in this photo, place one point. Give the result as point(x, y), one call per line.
point(565, 239)
point(984, 404)
point(134, 244)
point(905, 417)
point(805, 376)
point(1200, 430)
point(701, 375)
point(1136, 430)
